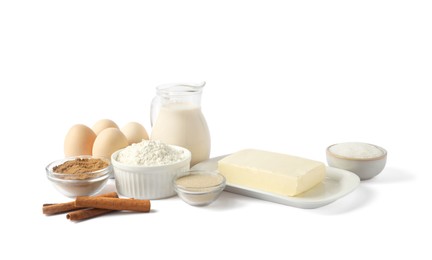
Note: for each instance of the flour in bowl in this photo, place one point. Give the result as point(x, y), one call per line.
point(150, 153)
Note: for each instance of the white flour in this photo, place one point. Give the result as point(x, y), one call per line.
point(150, 153)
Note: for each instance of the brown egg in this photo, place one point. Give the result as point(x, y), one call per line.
point(108, 141)
point(79, 141)
point(134, 132)
point(103, 124)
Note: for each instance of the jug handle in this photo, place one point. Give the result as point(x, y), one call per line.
point(154, 109)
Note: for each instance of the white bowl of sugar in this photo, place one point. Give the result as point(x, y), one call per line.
point(365, 160)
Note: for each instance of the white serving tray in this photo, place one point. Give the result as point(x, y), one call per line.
point(336, 185)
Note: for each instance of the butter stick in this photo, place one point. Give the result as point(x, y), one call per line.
point(271, 172)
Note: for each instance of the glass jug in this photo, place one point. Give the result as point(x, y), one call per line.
point(176, 119)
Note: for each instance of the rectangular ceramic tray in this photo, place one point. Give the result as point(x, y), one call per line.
point(336, 185)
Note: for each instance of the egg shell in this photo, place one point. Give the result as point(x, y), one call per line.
point(108, 141)
point(134, 132)
point(103, 124)
point(79, 141)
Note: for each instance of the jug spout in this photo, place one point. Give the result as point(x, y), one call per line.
point(196, 85)
point(175, 89)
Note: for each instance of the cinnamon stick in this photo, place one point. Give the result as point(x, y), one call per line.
point(51, 209)
point(86, 213)
point(113, 203)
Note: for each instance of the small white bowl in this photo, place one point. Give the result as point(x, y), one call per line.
point(365, 168)
point(148, 182)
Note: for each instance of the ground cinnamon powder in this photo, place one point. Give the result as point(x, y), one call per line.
point(80, 167)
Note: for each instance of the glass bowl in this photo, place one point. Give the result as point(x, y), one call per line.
point(79, 184)
point(199, 187)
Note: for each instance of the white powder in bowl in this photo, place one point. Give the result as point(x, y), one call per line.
point(356, 150)
point(150, 153)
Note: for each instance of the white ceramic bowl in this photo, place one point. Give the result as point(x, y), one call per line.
point(148, 182)
point(365, 168)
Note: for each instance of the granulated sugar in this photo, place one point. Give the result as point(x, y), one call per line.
point(150, 153)
point(356, 150)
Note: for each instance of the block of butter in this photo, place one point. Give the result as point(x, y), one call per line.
point(271, 172)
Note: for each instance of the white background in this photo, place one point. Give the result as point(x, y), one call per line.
point(284, 76)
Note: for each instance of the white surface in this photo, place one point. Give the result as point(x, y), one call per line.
point(337, 184)
point(285, 76)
